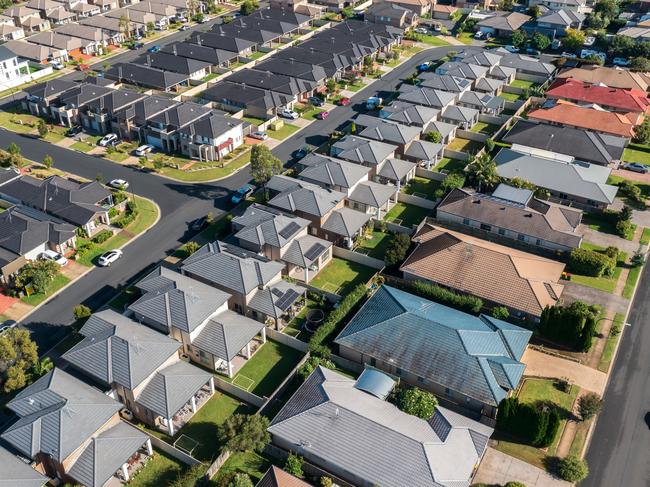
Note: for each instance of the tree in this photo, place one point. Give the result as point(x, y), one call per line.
point(534, 12)
point(514, 484)
point(241, 480)
point(596, 21)
point(326, 482)
point(311, 364)
point(573, 324)
point(642, 132)
point(489, 146)
point(18, 353)
point(248, 7)
point(124, 25)
point(573, 39)
point(151, 27)
point(143, 161)
point(48, 162)
point(573, 469)
point(500, 313)
point(38, 274)
point(482, 172)
point(264, 164)
point(519, 38)
point(589, 405)
point(331, 85)
point(607, 8)
point(353, 128)
point(625, 214)
point(16, 378)
point(293, 465)
point(243, 432)
point(191, 247)
point(417, 402)
point(81, 311)
point(42, 128)
point(640, 64)
point(433, 136)
point(397, 248)
point(15, 156)
point(42, 367)
point(540, 41)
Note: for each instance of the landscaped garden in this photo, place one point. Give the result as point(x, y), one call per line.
point(160, 469)
point(523, 84)
point(341, 276)
point(606, 223)
point(54, 285)
point(406, 215)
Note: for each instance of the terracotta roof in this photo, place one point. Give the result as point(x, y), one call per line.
point(276, 477)
point(444, 8)
point(588, 118)
point(411, 2)
point(614, 77)
point(621, 99)
point(495, 273)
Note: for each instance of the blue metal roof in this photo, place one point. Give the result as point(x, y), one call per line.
point(375, 382)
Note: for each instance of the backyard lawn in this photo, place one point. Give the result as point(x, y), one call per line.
point(450, 165)
point(294, 328)
point(422, 187)
point(286, 131)
point(484, 128)
point(520, 83)
point(268, 367)
point(376, 245)
point(637, 153)
point(510, 96)
point(37, 298)
point(408, 215)
point(341, 276)
point(604, 283)
point(465, 145)
point(250, 463)
point(161, 469)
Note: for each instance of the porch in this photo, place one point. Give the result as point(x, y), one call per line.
point(131, 467)
point(183, 416)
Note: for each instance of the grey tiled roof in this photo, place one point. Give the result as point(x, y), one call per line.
point(409, 113)
point(444, 82)
point(225, 335)
point(16, 473)
point(298, 252)
point(395, 169)
point(423, 150)
point(426, 96)
point(345, 222)
point(360, 150)
point(106, 453)
point(119, 350)
point(448, 347)
point(174, 300)
point(332, 423)
point(299, 195)
point(387, 131)
point(462, 70)
point(261, 225)
point(373, 194)
point(330, 171)
point(57, 414)
point(266, 300)
point(172, 387)
point(482, 100)
point(231, 268)
point(459, 114)
point(489, 84)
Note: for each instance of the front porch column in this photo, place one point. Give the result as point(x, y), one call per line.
point(193, 402)
point(211, 385)
point(264, 335)
point(306, 275)
point(399, 186)
point(170, 426)
point(230, 373)
point(248, 350)
point(149, 447)
point(125, 471)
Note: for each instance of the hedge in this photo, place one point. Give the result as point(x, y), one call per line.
point(335, 320)
point(573, 325)
point(102, 236)
point(591, 263)
point(463, 302)
point(537, 424)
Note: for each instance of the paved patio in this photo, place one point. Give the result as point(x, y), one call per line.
point(540, 364)
point(498, 468)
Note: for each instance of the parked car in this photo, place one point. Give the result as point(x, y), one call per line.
point(290, 114)
point(512, 49)
point(7, 325)
point(107, 258)
point(317, 102)
point(424, 67)
point(199, 224)
point(118, 184)
point(322, 115)
point(107, 139)
point(74, 130)
point(621, 61)
point(532, 52)
point(437, 27)
point(373, 102)
point(636, 167)
point(260, 135)
point(421, 30)
point(241, 194)
point(479, 35)
point(184, 28)
point(137, 37)
point(137, 45)
point(343, 101)
point(302, 152)
point(56, 65)
point(55, 256)
point(143, 150)
point(589, 41)
point(154, 48)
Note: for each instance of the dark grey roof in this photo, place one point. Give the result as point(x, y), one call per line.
point(462, 70)
point(297, 68)
point(426, 96)
point(83, 94)
point(16, 473)
point(181, 115)
point(174, 63)
point(395, 169)
point(8, 174)
point(476, 356)
point(373, 194)
point(275, 300)
point(261, 225)
point(481, 100)
point(6, 53)
point(584, 145)
point(528, 64)
point(115, 101)
point(480, 58)
point(212, 126)
point(57, 414)
point(563, 17)
point(331, 63)
point(118, 350)
point(423, 150)
point(266, 80)
point(225, 335)
point(139, 74)
point(489, 85)
point(145, 109)
point(106, 453)
point(360, 150)
point(74, 202)
point(444, 82)
point(231, 268)
point(459, 114)
point(297, 195)
point(330, 421)
point(258, 36)
point(329, 171)
point(202, 53)
point(50, 89)
point(345, 222)
point(306, 250)
point(505, 21)
point(223, 42)
point(245, 96)
point(386, 130)
point(283, 15)
point(172, 387)
point(174, 300)
point(408, 113)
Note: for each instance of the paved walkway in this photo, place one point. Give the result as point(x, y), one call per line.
point(498, 469)
point(540, 364)
point(605, 240)
point(578, 292)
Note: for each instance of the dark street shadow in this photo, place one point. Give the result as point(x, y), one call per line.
point(646, 418)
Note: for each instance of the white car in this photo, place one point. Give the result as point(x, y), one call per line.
point(106, 259)
point(260, 135)
point(118, 184)
point(55, 256)
point(589, 41)
point(478, 35)
point(512, 49)
point(56, 65)
point(286, 113)
point(421, 30)
point(107, 139)
point(143, 150)
point(621, 61)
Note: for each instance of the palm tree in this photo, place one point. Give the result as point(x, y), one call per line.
point(483, 172)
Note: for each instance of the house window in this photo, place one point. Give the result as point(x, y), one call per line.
point(502, 231)
point(398, 371)
point(420, 380)
point(521, 237)
point(465, 221)
point(486, 227)
point(538, 242)
point(373, 362)
point(447, 391)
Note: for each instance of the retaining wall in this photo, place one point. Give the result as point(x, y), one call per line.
point(454, 154)
point(217, 464)
point(358, 258)
point(416, 201)
point(394, 227)
point(493, 119)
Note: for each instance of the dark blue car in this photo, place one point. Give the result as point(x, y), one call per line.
point(155, 48)
point(241, 194)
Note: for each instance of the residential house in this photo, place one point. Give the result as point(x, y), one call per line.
point(72, 45)
point(343, 225)
point(254, 102)
point(34, 52)
point(502, 24)
point(85, 205)
point(636, 33)
point(491, 86)
point(112, 27)
point(596, 119)
point(193, 69)
point(526, 65)
point(164, 130)
point(444, 82)
point(427, 97)
point(391, 13)
point(261, 37)
point(583, 145)
point(43, 97)
point(276, 477)
point(297, 89)
point(242, 47)
point(282, 237)
point(146, 76)
point(210, 55)
point(83, 10)
point(419, 7)
point(333, 64)
point(197, 315)
point(98, 114)
point(331, 418)
point(138, 19)
point(106, 5)
point(501, 276)
point(382, 130)
point(66, 111)
point(483, 102)
point(20, 474)
point(369, 153)
point(393, 330)
point(396, 172)
point(60, 16)
point(569, 182)
point(458, 69)
point(424, 153)
point(300, 69)
point(212, 137)
point(489, 59)
point(332, 173)
point(409, 114)
point(373, 198)
point(28, 18)
point(130, 123)
point(581, 6)
point(613, 77)
point(464, 117)
point(443, 12)
point(515, 214)
point(72, 432)
point(25, 234)
point(11, 32)
point(143, 369)
point(164, 13)
point(556, 22)
point(93, 40)
point(13, 70)
point(287, 15)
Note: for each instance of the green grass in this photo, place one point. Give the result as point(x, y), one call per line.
point(147, 215)
point(209, 77)
point(342, 275)
point(294, 328)
point(253, 120)
point(354, 87)
point(37, 298)
point(124, 298)
point(466, 37)
point(645, 237)
point(269, 366)
point(432, 40)
point(644, 187)
point(520, 83)
point(604, 283)
point(208, 174)
point(450, 165)
point(580, 438)
point(409, 214)
point(88, 144)
point(630, 282)
point(423, 186)
point(286, 131)
point(610, 345)
point(257, 55)
point(510, 96)
point(55, 135)
point(484, 128)
point(635, 155)
point(117, 156)
point(250, 463)
point(606, 223)
point(311, 114)
point(465, 145)
point(161, 469)
point(376, 245)
point(11, 121)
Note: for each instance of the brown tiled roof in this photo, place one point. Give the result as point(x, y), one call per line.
point(493, 272)
point(612, 77)
point(276, 477)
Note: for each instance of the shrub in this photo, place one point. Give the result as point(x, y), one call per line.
point(293, 465)
point(589, 405)
point(417, 402)
point(573, 469)
point(515, 484)
point(119, 196)
point(243, 432)
point(311, 364)
point(191, 247)
point(326, 482)
point(102, 236)
point(500, 313)
point(591, 263)
point(397, 248)
point(623, 228)
point(335, 319)
point(536, 424)
point(81, 311)
point(573, 325)
point(470, 304)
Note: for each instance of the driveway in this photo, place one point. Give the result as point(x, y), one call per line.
point(634, 176)
point(605, 239)
point(540, 364)
point(498, 469)
point(577, 292)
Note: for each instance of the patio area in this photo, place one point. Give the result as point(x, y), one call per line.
point(185, 414)
point(132, 466)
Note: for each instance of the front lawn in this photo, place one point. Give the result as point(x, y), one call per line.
point(408, 215)
point(287, 130)
point(117, 156)
point(637, 153)
point(610, 344)
point(267, 368)
point(17, 121)
point(354, 87)
point(432, 40)
point(249, 462)
point(450, 165)
point(311, 114)
point(465, 145)
point(466, 37)
point(341, 276)
point(161, 469)
point(147, 215)
point(484, 128)
point(604, 283)
point(376, 245)
point(630, 282)
point(37, 298)
point(426, 188)
point(214, 171)
point(87, 144)
point(644, 187)
point(606, 223)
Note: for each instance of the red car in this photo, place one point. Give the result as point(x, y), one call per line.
point(343, 102)
point(83, 67)
point(322, 115)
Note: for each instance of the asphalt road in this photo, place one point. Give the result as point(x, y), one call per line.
point(619, 454)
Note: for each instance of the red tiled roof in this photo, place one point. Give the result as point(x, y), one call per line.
point(624, 100)
point(566, 113)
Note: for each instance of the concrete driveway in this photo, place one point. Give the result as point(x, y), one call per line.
point(498, 469)
point(605, 239)
point(577, 292)
point(540, 364)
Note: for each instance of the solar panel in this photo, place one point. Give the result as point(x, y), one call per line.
point(314, 251)
point(287, 300)
point(289, 230)
point(277, 293)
